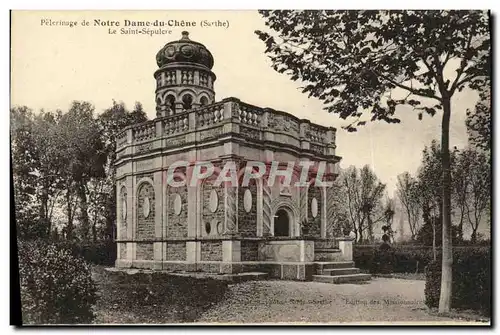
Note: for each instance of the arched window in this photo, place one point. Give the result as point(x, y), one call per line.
point(203, 101)
point(187, 101)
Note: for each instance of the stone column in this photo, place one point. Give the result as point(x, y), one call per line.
point(178, 107)
point(158, 191)
point(259, 205)
point(306, 251)
point(231, 253)
point(303, 129)
point(323, 212)
point(193, 248)
point(231, 210)
point(131, 229)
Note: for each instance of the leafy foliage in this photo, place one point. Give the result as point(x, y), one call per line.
point(56, 287)
point(63, 162)
point(354, 60)
point(479, 120)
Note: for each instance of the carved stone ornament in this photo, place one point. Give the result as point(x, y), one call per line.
point(213, 201)
point(124, 208)
point(177, 204)
point(146, 207)
point(247, 201)
point(314, 207)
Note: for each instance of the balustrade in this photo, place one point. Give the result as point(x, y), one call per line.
point(250, 115)
point(210, 115)
point(175, 124)
point(144, 131)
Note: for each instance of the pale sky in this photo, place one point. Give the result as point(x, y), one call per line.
point(54, 65)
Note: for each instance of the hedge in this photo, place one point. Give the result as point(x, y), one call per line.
point(406, 258)
point(401, 259)
point(471, 280)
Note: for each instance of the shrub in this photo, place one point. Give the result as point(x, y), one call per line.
point(99, 253)
point(408, 258)
point(401, 258)
point(471, 280)
point(56, 287)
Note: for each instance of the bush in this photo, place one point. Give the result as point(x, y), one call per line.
point(56, 287)
point(408, 258)
point(471, 280)
point(400, 259)
point(99, 253)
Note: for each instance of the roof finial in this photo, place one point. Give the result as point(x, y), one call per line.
point(185, 35)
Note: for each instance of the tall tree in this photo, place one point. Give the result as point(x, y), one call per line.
point(357, 61)
point(430, 184)
point(83, 155)
point(24, 163)
point(410, 199)
point(364, 200)
point(478, 193)
point(110, 123)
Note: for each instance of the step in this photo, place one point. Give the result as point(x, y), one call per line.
point(342, 279)
point(337, 272)
point(334, 265)
point(326, 250)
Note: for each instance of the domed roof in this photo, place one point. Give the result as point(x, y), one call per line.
point(184, 50)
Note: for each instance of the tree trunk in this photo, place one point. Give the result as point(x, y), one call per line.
point(434, 253)
point(94, 230)
point(69, 228)
point(447, 262)
point(370, 229)
point(473, 236)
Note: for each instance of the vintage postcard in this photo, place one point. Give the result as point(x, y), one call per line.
point(251, 167)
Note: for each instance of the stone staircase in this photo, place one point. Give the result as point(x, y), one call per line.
point(339, 272)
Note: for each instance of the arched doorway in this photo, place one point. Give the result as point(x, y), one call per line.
point(282, 223)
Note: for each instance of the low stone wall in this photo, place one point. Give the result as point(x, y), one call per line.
point(287, 251)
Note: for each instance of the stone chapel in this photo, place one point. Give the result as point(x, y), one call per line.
point(285, 232)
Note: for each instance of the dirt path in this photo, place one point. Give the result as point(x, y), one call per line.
point(381, 300)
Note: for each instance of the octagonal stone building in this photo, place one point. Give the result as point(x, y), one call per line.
point(283, 230)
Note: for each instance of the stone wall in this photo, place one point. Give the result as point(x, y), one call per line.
point(145, 212)
point(212, 212)
point(211, 251)
point(314, 222)
point(249, 250)
point(247, 221)
point(123, 250)
point(177, 216)
point(176, 251)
